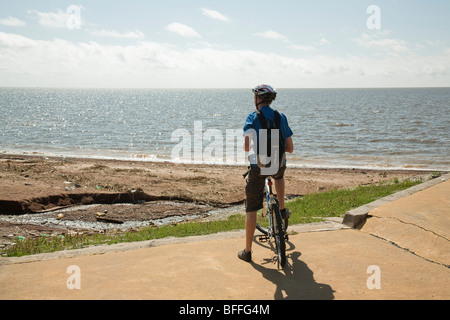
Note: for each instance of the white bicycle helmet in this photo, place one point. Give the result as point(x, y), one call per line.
point(265, 91)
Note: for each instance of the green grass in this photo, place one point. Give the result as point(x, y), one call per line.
point(310, 208)
point(336, 203)
point(70, 242)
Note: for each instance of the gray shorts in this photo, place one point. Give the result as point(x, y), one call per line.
point(255, 187)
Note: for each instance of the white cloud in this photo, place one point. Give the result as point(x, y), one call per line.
point(434, 43)
point(10, 42)
point(271, 35)
point(324, 41)
point(214, 14)
point(137, 34)
point(56, 19)
point(301, 48)
point(379, 41)
point(12, 22)
point(277, 36)
point(182, 30)
point(29, 62)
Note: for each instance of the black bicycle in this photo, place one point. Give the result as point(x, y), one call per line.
point(277, 225)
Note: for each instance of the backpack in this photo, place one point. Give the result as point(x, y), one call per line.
point(281, 143)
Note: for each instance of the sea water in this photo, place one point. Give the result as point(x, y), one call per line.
point(405, 128)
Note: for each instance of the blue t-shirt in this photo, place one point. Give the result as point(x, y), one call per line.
point(253, 122)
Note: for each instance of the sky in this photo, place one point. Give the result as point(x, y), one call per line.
point(225, 44)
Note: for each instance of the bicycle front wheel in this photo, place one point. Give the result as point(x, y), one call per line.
point(279, 235)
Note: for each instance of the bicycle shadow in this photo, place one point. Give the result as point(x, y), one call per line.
point(296, 280)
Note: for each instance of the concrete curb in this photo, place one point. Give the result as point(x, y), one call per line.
point(356, 217)
point(330, 224)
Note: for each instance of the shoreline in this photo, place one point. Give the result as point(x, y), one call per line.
point(292, 163)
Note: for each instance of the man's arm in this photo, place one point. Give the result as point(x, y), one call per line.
point(247, 144)
point(289, 145)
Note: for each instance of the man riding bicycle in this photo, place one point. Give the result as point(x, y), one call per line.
point(268, 160)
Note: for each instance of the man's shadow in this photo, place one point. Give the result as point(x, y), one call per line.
point(295, 281)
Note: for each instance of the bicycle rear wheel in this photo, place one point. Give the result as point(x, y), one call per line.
point(279, 235)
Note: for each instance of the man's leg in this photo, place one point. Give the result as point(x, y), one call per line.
point(280, 189)
point(255, 193)
point(250, 226)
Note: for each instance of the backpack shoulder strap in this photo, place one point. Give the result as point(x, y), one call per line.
point(277, 118)
point(262, 119)
point(278, 125)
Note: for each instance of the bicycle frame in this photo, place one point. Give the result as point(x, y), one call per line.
point(269, 201)
point(269, 193)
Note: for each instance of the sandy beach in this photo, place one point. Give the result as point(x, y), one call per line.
point(36, 184)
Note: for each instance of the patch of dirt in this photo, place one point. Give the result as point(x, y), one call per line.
point(140, 212)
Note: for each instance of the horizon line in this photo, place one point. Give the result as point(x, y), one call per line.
point(218, 88)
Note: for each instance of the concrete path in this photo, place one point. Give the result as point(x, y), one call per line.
point(401, 252)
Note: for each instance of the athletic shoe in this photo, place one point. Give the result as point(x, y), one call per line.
point(246, 256)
